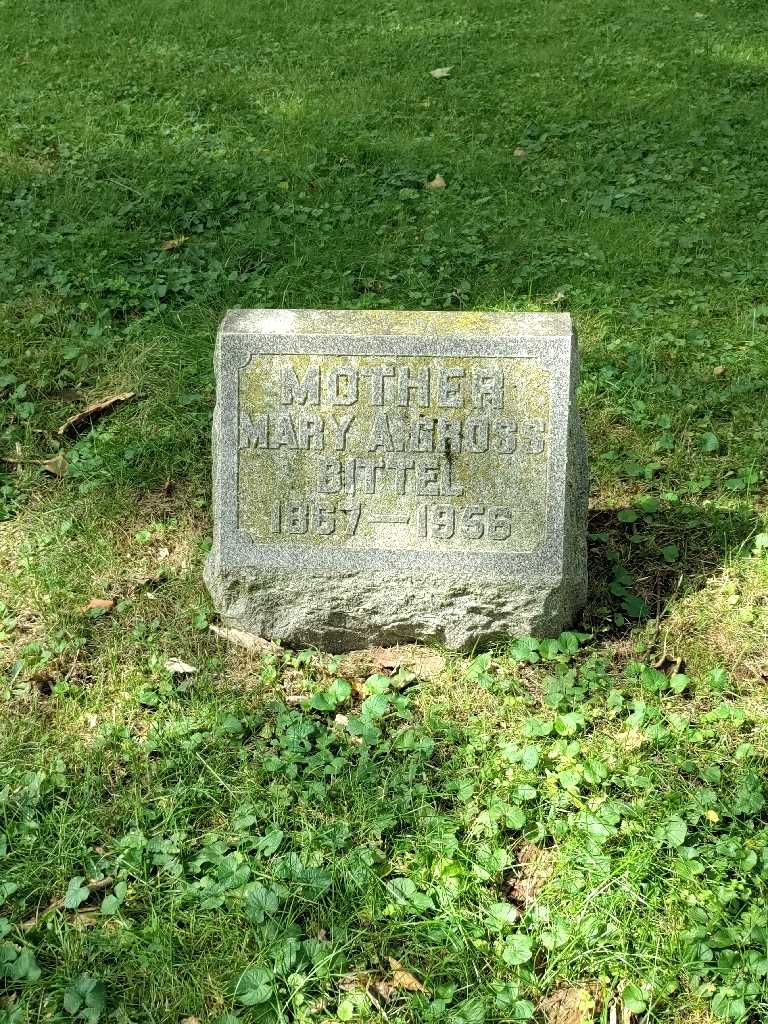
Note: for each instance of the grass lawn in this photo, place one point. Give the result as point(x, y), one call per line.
point(559, 830)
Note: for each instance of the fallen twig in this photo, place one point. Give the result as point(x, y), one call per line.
point(96, 885)
point(94, 411)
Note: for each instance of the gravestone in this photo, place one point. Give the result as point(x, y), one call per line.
point(384, 477)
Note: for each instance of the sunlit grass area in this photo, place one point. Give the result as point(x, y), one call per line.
point(560, 830)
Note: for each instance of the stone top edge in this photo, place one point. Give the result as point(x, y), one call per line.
point(405, 323)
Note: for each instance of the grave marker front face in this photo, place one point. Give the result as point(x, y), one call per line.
point(384, 477)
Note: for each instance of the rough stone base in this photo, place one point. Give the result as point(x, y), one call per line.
point(349, 611)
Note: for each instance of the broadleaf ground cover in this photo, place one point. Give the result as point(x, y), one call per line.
point(573, 826)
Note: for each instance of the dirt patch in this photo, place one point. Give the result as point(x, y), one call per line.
point(571, 1004)
point(422, 661)
point(534, 868)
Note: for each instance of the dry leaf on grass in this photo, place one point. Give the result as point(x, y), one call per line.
point(520, 153)
point(99, 603)
point(572, 1004)
point(94, 411)
point(718, 371)
point(402, 978)
point(355, 981)
point(56, 466)
point(174, 243)
point(441, 72)
point(668, 662)
point(177, 667)
point(249, 641)
point(437, 182)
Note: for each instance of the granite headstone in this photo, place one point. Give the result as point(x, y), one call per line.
point(384, 477)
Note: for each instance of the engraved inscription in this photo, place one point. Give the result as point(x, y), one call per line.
point(441, 522)
point(322, 518)
point(397, 452)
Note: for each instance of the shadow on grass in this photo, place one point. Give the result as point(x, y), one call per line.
point(656, 558)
